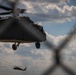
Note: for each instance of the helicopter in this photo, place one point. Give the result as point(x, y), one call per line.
point(18, 68)
point(19, 29)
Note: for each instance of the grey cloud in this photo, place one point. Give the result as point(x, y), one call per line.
point(73, 53)
point(27, 52)
point(6, 45)
point(52, 13)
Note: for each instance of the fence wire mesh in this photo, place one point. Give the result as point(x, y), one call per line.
point(56, 49)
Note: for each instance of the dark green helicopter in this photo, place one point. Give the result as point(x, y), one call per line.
point(19, 29)
point(18, 68)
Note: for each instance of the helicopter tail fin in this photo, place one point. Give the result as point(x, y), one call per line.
point(25, 68)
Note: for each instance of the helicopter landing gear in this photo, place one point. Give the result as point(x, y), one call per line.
point(14, 46)
point(37, 44)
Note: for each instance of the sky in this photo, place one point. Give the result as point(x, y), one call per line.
point(57, 18)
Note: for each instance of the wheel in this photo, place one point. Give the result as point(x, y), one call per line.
point(37, 45)
point(14, 47)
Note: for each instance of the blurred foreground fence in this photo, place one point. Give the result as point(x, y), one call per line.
point(57, 56)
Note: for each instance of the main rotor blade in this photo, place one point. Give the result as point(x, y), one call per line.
point(6, 13)
point(5, 4)
point(12, 5)
point(5, 8)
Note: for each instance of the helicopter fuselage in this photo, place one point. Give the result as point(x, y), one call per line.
point(18, 34)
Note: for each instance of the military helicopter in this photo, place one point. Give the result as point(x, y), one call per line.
point(18, 68)
point(19, 29)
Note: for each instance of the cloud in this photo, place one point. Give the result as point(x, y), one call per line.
point(68, 53)
point(55, 40)
point(51, 12)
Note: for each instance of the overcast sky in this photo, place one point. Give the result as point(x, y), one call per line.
point(57, 17)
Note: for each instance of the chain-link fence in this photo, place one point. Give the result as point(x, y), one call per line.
point(56, 49)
